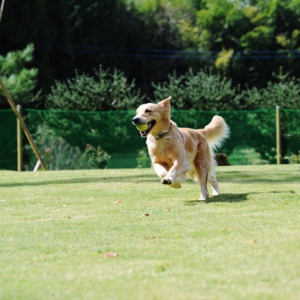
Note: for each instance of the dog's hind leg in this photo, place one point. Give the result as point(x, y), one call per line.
point(212, 177)
point(201, 175)
point(201, 171)
point(214, 183)
point(203, 185)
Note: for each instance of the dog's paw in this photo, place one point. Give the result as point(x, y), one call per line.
point(216, 193)
point(173, 184)
point(204, 197)
point(166, 180)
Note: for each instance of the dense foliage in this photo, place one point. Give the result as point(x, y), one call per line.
point(198, 91)
point(59, 154)
point(19, 79)
point(248, 40)
point(115, 54)
point(206, 91)
point(104, 91)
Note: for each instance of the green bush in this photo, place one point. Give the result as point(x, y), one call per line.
point(198, 91)
point(294, 159)
point(103, 91)
point(95, 157)
point(214, 92)
point(60, 155)
point(143, 159)
point(285, 93)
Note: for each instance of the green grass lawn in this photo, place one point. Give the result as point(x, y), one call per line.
point(59, 229)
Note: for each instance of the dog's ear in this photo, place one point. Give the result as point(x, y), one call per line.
point(165, 103)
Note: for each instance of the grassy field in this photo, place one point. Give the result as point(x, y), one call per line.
point(120, 234)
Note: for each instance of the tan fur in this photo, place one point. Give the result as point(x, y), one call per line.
point(177, 152)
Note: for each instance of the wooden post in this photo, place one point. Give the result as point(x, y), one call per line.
point(1, 9)
point(278, 135)
point(23, 125)
point(19, 141)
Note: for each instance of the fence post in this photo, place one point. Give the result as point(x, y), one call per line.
point(278, 135)
point(19, 141)
point(24, 127)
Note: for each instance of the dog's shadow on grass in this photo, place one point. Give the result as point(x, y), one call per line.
point(229, 198)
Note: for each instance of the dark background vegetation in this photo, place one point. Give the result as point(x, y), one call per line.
point(245, 41)
point(112, 55)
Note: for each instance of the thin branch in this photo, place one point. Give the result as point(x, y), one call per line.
point(1, 10)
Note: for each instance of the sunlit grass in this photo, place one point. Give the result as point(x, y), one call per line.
point(120, 234)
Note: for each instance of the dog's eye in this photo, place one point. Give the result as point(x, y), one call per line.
point(148, 111)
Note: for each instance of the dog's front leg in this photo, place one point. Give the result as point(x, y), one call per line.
point(175, 174)
point(160, 169)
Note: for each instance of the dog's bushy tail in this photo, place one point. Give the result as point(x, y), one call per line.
point(216, 132)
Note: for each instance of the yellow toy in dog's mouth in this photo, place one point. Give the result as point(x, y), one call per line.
point(145, 128)
point(142, 127)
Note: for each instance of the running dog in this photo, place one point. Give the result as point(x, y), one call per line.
point(179, 152)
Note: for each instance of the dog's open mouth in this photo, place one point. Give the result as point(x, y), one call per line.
point(150, 125)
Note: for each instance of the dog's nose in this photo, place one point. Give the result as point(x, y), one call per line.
point(135, 120)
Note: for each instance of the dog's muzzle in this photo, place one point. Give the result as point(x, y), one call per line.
point(136, 120)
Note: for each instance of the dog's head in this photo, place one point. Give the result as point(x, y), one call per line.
point(155, 117)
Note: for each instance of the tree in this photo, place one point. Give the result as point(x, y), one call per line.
point(20, 80)
point(249, 39)
point(46, 25)
point(125, 37)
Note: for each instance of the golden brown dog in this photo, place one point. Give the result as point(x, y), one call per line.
point(177, 152)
